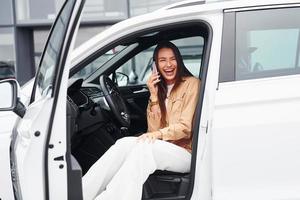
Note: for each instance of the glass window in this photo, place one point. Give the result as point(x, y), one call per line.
point(46, 74)
point(104, 9)
point(45, 10)
point(267, 43)
point(97, 63)
point(6, 16)
point(40, 39)
point(138, 69)
point(138, 7)
point(37, 10)
point(7, 53)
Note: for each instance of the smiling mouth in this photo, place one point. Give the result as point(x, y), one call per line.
point(169, 72)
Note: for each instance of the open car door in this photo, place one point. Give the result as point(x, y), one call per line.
point(41, 163)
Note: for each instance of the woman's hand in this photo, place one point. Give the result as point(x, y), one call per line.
point(152, 85)
point(150, 136)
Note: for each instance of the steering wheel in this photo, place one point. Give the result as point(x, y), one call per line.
point(114, 100)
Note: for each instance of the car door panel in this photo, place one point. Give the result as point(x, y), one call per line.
point(40, 141)
point(259, 140)
point(137, 99)
point(31, 136)
point(6, 118)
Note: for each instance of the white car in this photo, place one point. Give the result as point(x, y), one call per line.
point(246, 138)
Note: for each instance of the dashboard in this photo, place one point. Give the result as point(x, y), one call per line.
point(93, 110)
point(85, 94)
point(94, 93)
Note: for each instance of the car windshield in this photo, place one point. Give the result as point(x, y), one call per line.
point(95, 64)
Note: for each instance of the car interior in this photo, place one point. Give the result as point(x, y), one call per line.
point(108, 97)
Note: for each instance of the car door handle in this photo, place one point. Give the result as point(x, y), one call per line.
point(141, 91)
point(204, 127)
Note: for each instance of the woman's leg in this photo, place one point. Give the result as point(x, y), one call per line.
point(171, 157)
point(143, 160)
point(99, 175)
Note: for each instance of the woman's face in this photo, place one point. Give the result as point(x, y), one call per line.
point(167, 65)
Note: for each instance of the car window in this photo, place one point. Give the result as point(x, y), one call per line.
point(138, 69)
point(136, 66)
point(95, 64)
point(46, 73)
point(267, 43)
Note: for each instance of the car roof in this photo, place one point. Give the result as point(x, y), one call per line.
point(226, 4)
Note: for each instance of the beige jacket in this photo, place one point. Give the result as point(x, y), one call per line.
point(180, 111)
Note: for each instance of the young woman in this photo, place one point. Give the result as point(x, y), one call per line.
point(121, 172)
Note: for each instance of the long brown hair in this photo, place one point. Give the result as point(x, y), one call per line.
point(182, 71)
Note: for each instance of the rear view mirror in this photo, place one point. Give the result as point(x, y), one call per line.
point(8, 95)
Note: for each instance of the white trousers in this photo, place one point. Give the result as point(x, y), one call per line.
point(121, 172)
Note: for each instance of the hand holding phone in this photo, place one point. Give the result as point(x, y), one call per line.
point(154, 68)
point(153, 80)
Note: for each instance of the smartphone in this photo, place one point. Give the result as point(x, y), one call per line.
point(154, 68)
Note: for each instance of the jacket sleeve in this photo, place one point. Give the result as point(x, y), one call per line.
point(181, 129)
point(153, 119)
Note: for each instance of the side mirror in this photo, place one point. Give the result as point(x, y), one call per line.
point(122, 79)
point(8, 94)
point(9, 100)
